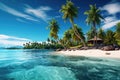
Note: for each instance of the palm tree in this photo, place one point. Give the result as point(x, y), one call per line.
point(101, 34)
point(118, 27)
point(110, 39)
point(67, 38)
point(90, 34)
point(79, 30)
point(70, 38)
point(93, 18)
point(117, 33)
point(70, 12)
point(54, 29)
point(48, 40)
point(67, 35)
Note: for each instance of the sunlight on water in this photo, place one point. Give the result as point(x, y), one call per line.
point(44, 73)
point(41, 65)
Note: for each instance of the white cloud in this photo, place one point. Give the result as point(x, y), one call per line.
point(15, 12)
point(40, 12)
point(112, 8)
point(13, 37)
point(110, 25)
point(33, 14)
point(110, 19)
point(7, 41)
point(110, 22)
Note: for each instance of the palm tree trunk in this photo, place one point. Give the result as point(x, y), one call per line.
point(61, 43)
point(77, 34)
point(95, 32)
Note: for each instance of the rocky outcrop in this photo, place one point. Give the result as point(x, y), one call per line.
point(58, 49)
point(108, 48)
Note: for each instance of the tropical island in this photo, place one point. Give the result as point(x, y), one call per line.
point(95, 43)
point(74, 38)
point(59, 40)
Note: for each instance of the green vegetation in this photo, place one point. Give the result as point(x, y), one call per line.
point(74, 36)
point(110, 39)
point(90, 34)
point(71, 39)
point(43, 45)
point(70, 12)
point(13, 48)
point(101, 34)
point(117, 33)
point(93, 19)
point(54, 28)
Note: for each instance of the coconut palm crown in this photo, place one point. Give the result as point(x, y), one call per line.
point(69, 11)
point(54, 29)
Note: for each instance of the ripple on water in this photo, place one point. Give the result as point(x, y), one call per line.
point(43, 73)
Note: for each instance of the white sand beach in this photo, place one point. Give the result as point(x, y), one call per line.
point(91, 53)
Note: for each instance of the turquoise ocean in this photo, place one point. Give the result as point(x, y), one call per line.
point(41, 65)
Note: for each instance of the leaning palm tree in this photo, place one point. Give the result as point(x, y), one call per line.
point(79, 30)
point(54, 28)
point(70, 12)
point(93, 18)
point(69, 36)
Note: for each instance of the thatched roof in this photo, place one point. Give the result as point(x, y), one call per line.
point(95, 38)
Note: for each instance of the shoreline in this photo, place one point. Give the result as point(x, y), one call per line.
point(90, 53)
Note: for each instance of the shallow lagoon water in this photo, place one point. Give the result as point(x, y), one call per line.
point(41, 65)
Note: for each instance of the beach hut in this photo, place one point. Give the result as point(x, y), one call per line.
point(96, 40)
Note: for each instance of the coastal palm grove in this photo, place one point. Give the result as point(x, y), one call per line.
point(74, 36)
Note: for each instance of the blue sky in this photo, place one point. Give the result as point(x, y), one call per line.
point(27, 20)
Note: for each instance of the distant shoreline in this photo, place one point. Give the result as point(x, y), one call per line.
point(91, 53)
